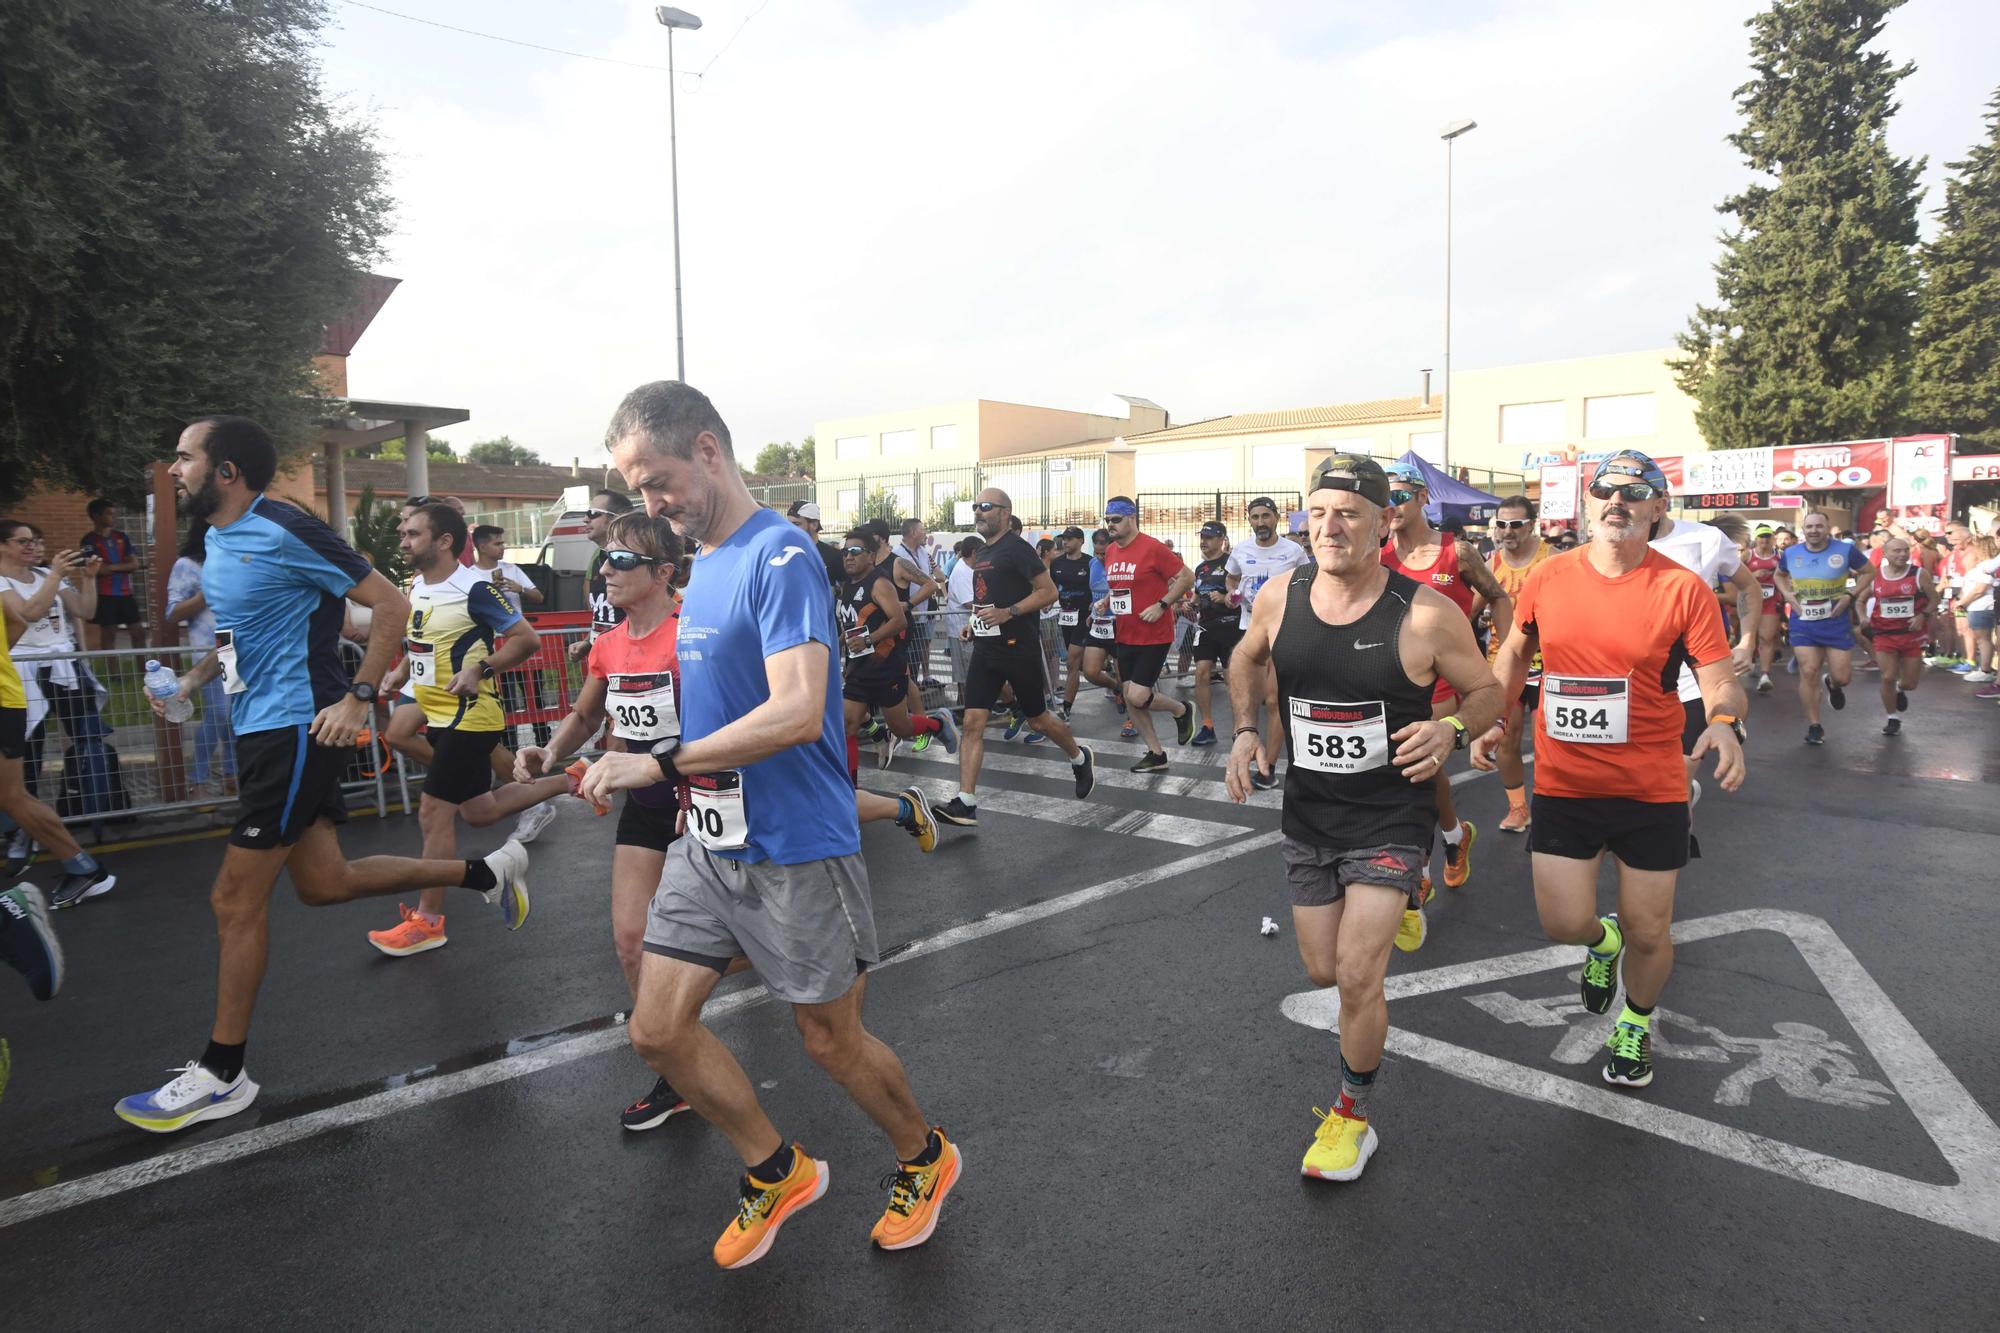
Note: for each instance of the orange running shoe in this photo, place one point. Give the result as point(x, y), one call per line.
point(415, 935)
point(1458, 860)
point(1516, 820)
point(765, 1207)
point(916, 1197)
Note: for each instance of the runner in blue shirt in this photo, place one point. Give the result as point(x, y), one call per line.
point(276, 578)
point(773, 872)
point(1811, 579)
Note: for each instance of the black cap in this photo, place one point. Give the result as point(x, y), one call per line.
point(1071, 531)
point(1212, 528)
point(1353, 472)
point(1263, 501)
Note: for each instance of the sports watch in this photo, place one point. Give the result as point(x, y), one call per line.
point(664, 751)
point(1732, 722)
point(363, 691)
point(1458, 732)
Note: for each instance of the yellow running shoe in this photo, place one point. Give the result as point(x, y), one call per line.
point(1341, 1147)
point(1458, 860)
point(764, 1208)
point(916, 1197)
point(1415, 929)
point(414, 935)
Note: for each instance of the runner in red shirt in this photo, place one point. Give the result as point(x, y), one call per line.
point(1614, 621)
point(1147, 580)
point(1762, 561)
point(1897, 625)
point(1455, 569)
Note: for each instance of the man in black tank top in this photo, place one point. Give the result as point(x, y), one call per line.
point(873, 623)
point(1358, 650)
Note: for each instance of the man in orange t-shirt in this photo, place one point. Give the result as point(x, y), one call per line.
point(1614, 620)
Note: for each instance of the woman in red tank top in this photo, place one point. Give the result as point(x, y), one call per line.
point(1762, 559)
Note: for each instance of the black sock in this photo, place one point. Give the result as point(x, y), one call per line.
point(478, 877)
point(1643, 1010)
point(225, 1062)
point(774, 1168)
point(933, 1146)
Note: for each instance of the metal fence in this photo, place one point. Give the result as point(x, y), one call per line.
point(1177, 516)
point(1047, 493)
point(103, 760)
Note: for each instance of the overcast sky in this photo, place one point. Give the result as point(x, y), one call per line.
point(1222, 207)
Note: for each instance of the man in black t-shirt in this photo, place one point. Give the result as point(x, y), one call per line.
point(1218, 632)
point(1010, 587)
point(1070, 571)
point(804, 515)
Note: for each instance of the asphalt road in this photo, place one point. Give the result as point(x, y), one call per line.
point(1129, 1066)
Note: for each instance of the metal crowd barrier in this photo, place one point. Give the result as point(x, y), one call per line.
point(102, 759)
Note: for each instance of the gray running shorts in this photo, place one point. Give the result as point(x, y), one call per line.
point(808, 928)
point(1319, 876)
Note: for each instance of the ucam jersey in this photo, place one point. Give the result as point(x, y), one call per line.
point(1254, 566)
point(452, 626)
point(277, 579)
point(750, 598)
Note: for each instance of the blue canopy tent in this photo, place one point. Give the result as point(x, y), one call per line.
point(1451, 498)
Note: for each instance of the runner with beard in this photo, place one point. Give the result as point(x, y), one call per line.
point(1070, 571)
point(1252, 564)
point(1518, 551)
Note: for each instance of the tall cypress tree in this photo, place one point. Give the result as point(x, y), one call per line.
point(1957, 386)
point(1810, 335)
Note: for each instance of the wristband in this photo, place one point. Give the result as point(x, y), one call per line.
point(1242, 731)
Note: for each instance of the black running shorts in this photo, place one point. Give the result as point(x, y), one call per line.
point(285, 781)
point(648, 826)
point(1020, 668)
point(461, 764)
point(1141, 663)
point(879, 684)
point(13, 733)
point(1696, 722)
point(1215, 643)
point(1645, 835)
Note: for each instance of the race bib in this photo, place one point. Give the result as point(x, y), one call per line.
point(642, 706)
point(423, 662)
point(225, 655)
point(1897, 608)
point(1586, 710)
point(1815, 610)
point(980, 629)
point(1121, 601)
point(715, 810)
point(858, 644)
point(1339, 738)
point(1103, 627)
point(1067, 619)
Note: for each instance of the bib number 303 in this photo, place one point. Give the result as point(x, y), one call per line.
point(715, 810)
point(1585, 710)
point(642, 707)
point(1339, 737)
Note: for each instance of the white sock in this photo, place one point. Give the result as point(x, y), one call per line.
point(1078, 757)
point(1453, 834)
point(968, 798)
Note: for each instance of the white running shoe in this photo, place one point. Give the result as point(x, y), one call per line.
point(510, 882)
point(194, 1096)
point(533, 822)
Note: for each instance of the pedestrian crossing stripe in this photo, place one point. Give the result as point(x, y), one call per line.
point(1964, 1134)
point(1178, 829)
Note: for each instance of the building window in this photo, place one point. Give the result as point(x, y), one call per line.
point(848, 501)
point(1202, 467)
point(1618, 416)
point(905, 498)
point(899, 442)
point(851, 446)
point(944, 437)
point(1531, 423)
point(1283, 462)
point(1428, 445)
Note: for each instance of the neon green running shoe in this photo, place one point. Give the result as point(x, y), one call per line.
point(1600, 972)
point(1631, 1062)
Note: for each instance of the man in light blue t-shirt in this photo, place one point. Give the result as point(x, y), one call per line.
point(772, 872)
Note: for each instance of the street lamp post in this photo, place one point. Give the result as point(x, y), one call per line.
point(670, 19)
point(1448, 133)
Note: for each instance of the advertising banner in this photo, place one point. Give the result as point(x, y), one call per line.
point(1558, 501)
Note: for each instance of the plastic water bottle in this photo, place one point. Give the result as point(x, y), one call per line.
point(164, 684)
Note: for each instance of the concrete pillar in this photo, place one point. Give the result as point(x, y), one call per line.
point(336, 489)
point(416, 459)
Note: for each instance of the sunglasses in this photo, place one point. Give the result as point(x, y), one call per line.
point(598, 513)
point(629, 560)
point(1398, 496)
point(986, 506)
point(1109, 519)
point(1509, 524)
point(854, 550)
point(1631, 491)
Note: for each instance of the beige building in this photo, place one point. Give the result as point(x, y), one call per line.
point(1513, 418)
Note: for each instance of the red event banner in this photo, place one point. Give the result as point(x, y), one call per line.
point(1855, 465)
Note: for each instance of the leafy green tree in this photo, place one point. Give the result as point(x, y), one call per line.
point(434, 449)
point(785, 460)
point(881, 503)
point(1816, 291)
point(374, 534)
point(944, 514)
point(184, 213)
point(1957, 384)
point(502, 451)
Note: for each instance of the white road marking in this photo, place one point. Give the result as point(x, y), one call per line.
point(1963, 1133)
point(1178, 829)
point(375, 1106)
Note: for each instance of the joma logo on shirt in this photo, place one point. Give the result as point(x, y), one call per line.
point(778, 561)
